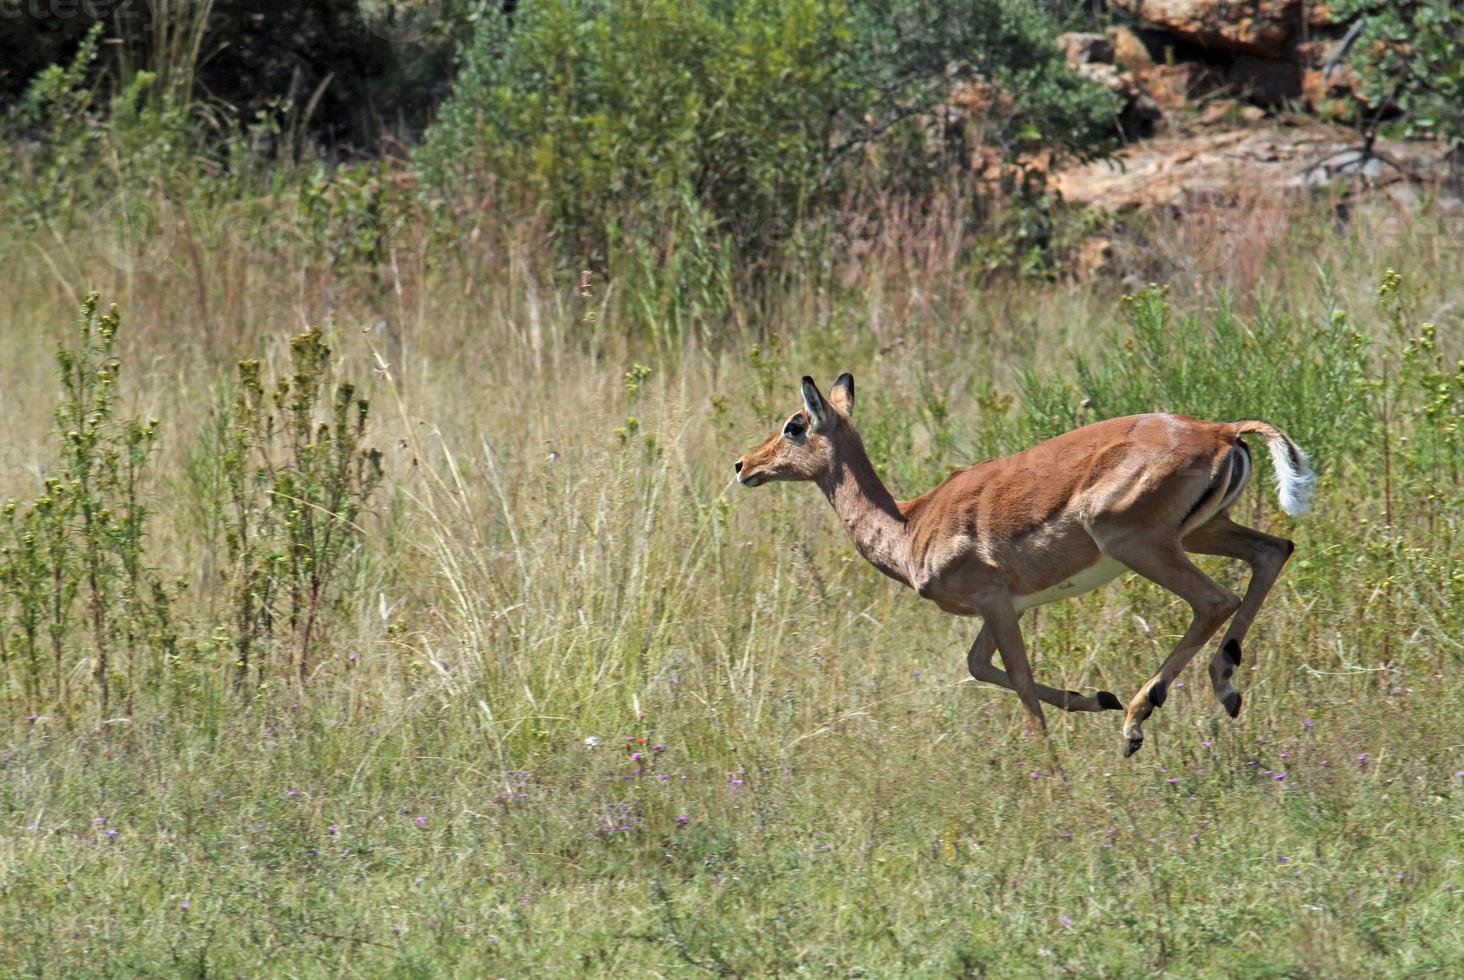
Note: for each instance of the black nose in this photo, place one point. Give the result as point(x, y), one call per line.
point(737, 466)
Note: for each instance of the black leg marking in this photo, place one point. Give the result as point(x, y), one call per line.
point(1232, 651)
point(1108, 701)
point(1232, 704)
point(1158, 694)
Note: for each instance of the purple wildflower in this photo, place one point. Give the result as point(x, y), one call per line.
point(635, 757)
point(682, 820)
point(1065, 921)
point(333, 830)
point(420, 821)
point(1172, 780)
point(1307, 723)
point(1280, 776)
point(1282, 859)
point(185, 905)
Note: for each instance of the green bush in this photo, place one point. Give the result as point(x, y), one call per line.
point(297, 476)
point(738, 120)
point(75, 590)
point(1408, 57)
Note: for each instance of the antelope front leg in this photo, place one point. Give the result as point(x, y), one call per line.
point(1002, 621)
point(978, 662)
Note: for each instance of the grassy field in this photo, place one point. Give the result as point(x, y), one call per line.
point(586, 708)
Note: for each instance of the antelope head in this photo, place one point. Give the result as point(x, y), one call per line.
point(807, 447)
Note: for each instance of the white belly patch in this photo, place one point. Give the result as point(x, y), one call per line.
point(1101, 572)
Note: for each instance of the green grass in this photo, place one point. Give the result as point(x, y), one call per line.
point(540, 572)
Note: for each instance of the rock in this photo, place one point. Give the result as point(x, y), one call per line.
point(1085, 49)
point(1173, 86)
point(1259, 27)
point(1318, 14)
point(1326, 92)
point(1226, 169)
point(1134, 48)
point(1107, 76)
point(1219, 112)
point(1140, 116)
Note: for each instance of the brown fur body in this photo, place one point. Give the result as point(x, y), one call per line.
point(1054, 521)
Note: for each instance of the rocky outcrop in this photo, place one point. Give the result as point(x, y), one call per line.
point(1092, 55)
point(1228, 168)
point(1272, 53)
point(1200, 78)
point(1258, 27)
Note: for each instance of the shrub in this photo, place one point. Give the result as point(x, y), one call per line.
point(80, 543)
point(742, 119)
point(1408, 57)
point(296, 476)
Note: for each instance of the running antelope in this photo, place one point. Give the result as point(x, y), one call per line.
point(1055, 521)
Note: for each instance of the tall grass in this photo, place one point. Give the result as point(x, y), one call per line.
point(589, 708)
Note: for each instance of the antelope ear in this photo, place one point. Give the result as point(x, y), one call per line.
point(841, 395)
point(818, 409)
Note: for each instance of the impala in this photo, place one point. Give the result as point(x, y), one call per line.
point(1129, 494)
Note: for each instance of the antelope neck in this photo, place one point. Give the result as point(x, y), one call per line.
point(868, 510)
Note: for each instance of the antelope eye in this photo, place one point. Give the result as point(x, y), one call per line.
point(793, 429)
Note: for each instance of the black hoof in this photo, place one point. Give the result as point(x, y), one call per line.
point(1158, 694)
point(1232, 704)
point(1131, 746)
point(1232, 651)
point(1108, 702)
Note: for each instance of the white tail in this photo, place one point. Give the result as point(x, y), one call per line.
point(1295, 479)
